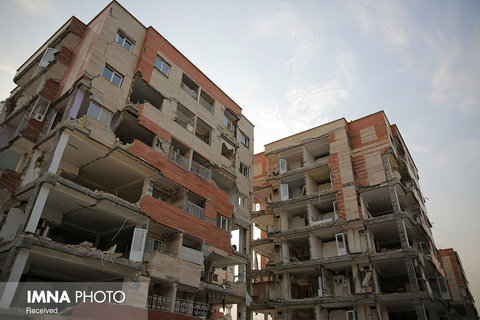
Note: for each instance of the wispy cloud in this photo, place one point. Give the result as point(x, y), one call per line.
point(36, 8)
point(456, 75)
point(286, 24)
point(470, 156)
point(386, 19)
point(7, 69)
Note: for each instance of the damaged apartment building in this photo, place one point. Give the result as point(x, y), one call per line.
point(121, 161)
point(341, 231)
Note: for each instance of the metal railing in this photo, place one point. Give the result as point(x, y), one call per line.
point(201, 171)
point(184, 120)
point(191, 308)
point(206, 104)
point(158, 302)
point(189, 90)
point(178, 159)
point(194, 210)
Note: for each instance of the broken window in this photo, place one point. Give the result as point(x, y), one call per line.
point(162, 66)
point(142, 92)
point(112, 76)
point(99, 113)
point(153, 245)
point(228, 151)
point(47, 57)
point(129, 130)
point(123, 41)
point(203, 131)
point(39, 108)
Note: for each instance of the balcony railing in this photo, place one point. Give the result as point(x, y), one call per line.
point(194, 210)
point(191, 308)
point(203, 172)
point(189, 90)
point(178, 159)
point(184, 120)
point(158, 302)
point(206, 104)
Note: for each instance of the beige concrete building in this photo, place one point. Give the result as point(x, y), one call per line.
point(344, 229)
point(122, 161)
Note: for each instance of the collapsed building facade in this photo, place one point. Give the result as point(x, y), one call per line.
point(122, 161)
point(344, 233)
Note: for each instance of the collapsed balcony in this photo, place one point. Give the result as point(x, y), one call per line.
point(294, 216)
point(323, 210)
point(290, 160)
point(84, 221)
point(296, 250)
point(318, 180)
point(326, 243)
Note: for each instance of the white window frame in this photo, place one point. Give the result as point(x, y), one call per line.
point(162, 64)
point(341, 250)
point(350, 315)
point(284, 191)
point(222, 222)
point(243, 201)
point(48, 56)
point(37, 113)
point(102, 112)
point(119, 36)
point(282, 164)
point(113, 75)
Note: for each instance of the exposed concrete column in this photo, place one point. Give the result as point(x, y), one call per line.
point(9, 288)
point(283, 221)
point(285, 252)
point(380, 312)
point(402, 232)
point(173, 297)
point(286, 285)
point(320, 313)
point(356, 279)
point(378, 290)
point(58, 153)
point(38, 208)
point(420, 310)
point(242, 311)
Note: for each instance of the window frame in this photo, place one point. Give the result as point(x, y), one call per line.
point(125, 39)
point(163, 62)
point(242, 201)
point(221, 221)
point(101, 111)
point(244, 169)
point(247, 139)
point(155, 243)
point(114, 73)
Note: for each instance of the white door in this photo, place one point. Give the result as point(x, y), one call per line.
point(335, 210)
point(341, 245)
point(138, 244)
point(350, 315)
point(284, 192)
point(283, 165)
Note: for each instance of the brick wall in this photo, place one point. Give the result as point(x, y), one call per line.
point(155, 43)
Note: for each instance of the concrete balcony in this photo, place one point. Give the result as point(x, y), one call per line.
point(167, 267)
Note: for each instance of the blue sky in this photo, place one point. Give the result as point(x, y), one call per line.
point(293, 65)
